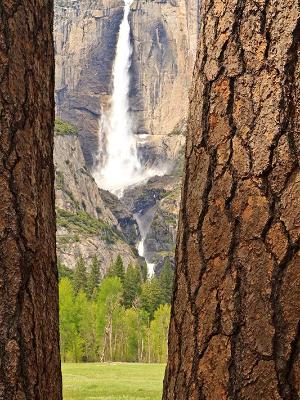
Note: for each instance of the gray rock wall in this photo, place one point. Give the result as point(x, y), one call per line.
point(164, 36)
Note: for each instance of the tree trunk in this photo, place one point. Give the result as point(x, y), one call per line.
point(29, 337)
point(235, 331)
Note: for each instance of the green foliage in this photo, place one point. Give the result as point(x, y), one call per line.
point(108, 300)
point(113, 320)
point(151, 296)
point(86, 317)
point(132, 286)
point(70, 341)
point(117, 269)
point(67, 239)
point(84, 224)
point(80, 276)
point(159, 333)
point(93, 278)
point(63, 271)
point(144, 272)
point(63, 128)
point(79, 221)
point(166, 282)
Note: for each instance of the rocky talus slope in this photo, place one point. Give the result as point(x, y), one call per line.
point(86, 225)
point(92, 221)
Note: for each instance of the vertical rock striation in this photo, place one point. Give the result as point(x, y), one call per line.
point(164, 37)
point(234, 330)
point(85, 34)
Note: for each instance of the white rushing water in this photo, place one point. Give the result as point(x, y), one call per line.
point(150, 266)
point(120, 166)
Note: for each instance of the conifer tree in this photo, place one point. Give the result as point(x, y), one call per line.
point(80, 276)
point(29, 335)
point(117, 269)
point(93, 277)
point(64, 271)
point(166, 282)
point(132, 286)
point(144, 271)
point(151, 296)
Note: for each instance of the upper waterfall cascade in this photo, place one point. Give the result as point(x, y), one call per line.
point(118, 162)
point(119, 166)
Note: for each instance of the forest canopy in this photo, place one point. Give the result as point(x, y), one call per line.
point(123, 316)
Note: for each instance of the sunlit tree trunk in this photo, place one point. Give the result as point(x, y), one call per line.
point(29, 337)
point(235, 331)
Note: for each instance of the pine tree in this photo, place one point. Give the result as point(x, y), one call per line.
point(80, 276)
point(117, 269)
point(144, 272)
point(93, 278)
point(132, 286)
point(166, 282)
point(234, 331)
point(29, 335)
point(64, 271)
point(151, 296)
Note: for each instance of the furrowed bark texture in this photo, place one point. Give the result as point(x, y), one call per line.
point(29, 339)
point(235, 331)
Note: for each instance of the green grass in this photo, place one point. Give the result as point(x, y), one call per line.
point(116, 381)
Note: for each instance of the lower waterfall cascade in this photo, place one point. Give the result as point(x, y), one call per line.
point(118, 165)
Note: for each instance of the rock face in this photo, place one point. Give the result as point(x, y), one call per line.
point(234, 331)
point(125, 218)
point(164, 36)
point(161, 237)
point(86, 224)
point(85, 34)
point(155, 204)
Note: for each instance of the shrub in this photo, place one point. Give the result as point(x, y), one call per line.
point(63, 128)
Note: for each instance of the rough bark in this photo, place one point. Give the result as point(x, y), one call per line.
point(235, 331)
point(29, 339)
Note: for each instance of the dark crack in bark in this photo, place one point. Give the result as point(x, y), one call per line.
point(236, 304)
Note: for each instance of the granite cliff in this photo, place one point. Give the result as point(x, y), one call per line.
point(86, 224)
point(164, 37)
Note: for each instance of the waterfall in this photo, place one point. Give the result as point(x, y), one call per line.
point(150, 266)
point(144, 221)
point(120, 166)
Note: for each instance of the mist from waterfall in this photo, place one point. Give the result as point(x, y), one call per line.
point(119, 166)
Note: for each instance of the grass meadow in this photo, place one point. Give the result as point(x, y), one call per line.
point(112, 381)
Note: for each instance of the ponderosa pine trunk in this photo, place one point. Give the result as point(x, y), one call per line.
point(29, 338)
point(235, 331)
